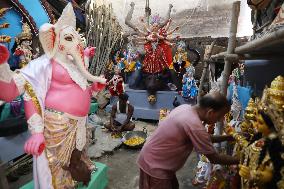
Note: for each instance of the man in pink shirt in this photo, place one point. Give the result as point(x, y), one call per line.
point(168, 148)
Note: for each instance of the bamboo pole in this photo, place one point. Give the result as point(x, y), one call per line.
point(3, 180)
point(267, 40)
point(231, 45)
point(103, 32)
point(273, 38)
point(205, 67)
point(230, 50)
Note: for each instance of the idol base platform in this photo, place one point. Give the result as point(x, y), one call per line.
point(99, 179)
point(143, 109)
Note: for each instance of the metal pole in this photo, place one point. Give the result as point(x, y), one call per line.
point(147, 12)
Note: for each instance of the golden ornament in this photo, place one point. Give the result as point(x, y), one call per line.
point(25, 35)
point(276, 92)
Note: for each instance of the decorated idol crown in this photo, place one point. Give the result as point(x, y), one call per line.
point(181, 44)
point(25, 35)
point(250, 110)
point(190, 70)
point(272, 102)
point(131, 49)
point(276, 115)
point(155, 19)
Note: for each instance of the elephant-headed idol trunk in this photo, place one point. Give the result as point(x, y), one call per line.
point(80, 63)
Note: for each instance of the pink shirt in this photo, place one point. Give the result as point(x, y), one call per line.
point(168, 148)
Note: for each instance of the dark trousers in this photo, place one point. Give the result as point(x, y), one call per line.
point(148, 182)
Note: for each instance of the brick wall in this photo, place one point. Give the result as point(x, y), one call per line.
point(199, 43)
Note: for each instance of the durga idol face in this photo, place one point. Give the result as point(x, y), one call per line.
point(155, 27)
point(26, 43)
point(261, 126)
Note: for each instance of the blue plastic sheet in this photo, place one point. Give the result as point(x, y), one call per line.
point(244, 94)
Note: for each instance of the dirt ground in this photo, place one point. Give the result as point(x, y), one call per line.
point(124, 173)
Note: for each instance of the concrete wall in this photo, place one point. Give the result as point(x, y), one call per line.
point(199, 43)
point(211, 17)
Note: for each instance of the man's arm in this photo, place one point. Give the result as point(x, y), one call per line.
point(222, 159)
point(129, 115)
point(112, 115)
point(221, 138)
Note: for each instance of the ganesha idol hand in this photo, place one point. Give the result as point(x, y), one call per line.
point(90, 51)
point(4, 54)
point(98, 86)
point(35, 145)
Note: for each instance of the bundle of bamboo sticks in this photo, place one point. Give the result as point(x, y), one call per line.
point(103, 32)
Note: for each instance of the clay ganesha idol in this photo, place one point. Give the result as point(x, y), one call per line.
point(57, 100)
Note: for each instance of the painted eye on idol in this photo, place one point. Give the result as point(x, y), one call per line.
point(68, 38)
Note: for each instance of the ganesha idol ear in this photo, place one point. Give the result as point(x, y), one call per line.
point(47, 39)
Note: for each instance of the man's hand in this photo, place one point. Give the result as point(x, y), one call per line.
point(119, 129)
point(112, 127)
point(221, 138)
point(116, 129)
point(98, 86)
point(32, 146)
point(229, 130)
point(222, 159)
